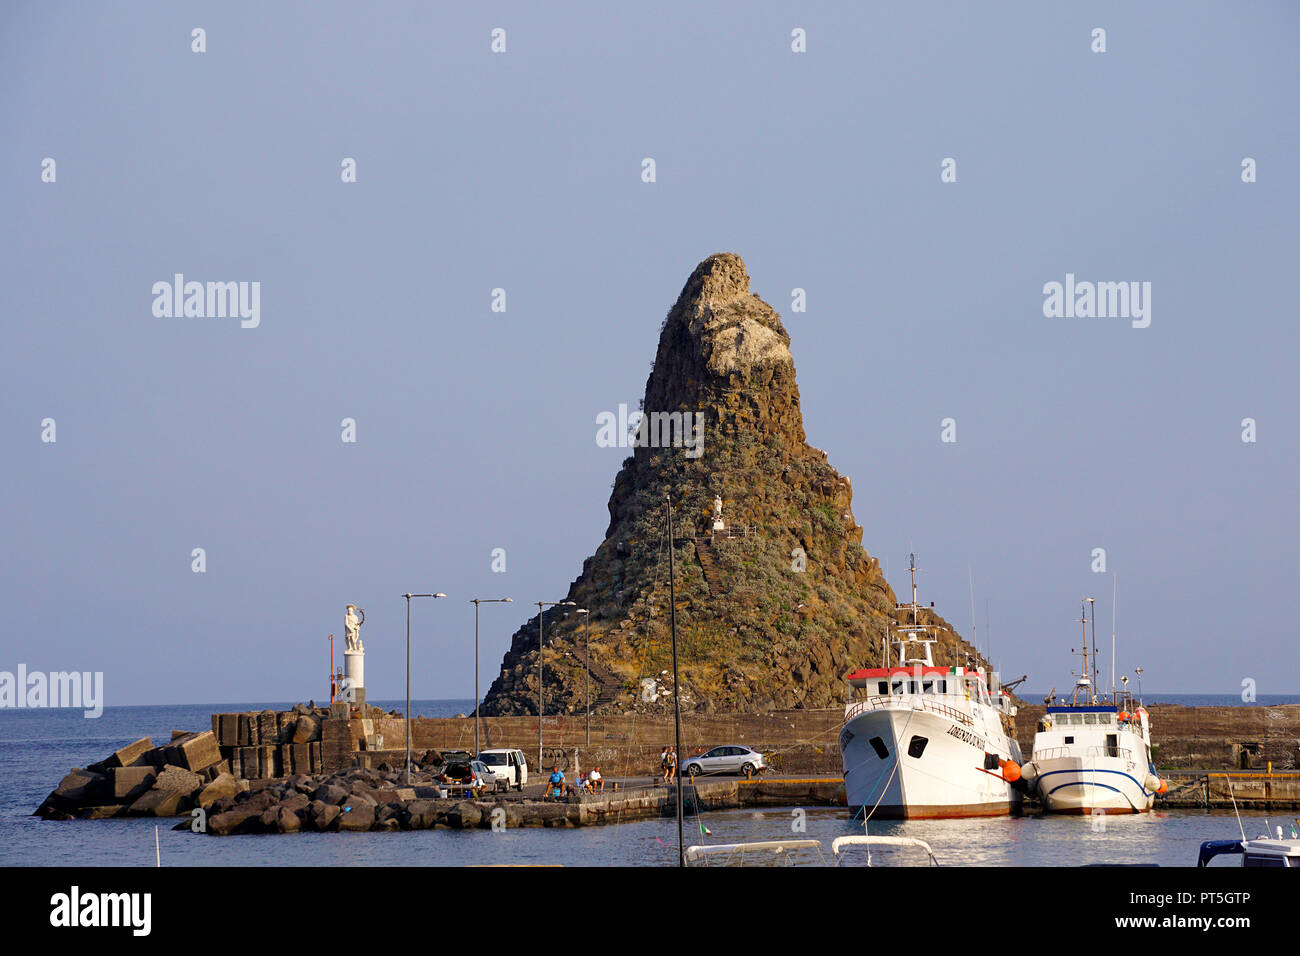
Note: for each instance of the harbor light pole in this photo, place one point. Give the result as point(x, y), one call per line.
point(408, 677)
point(476, 602)
point(586, 664)
point(541, 617)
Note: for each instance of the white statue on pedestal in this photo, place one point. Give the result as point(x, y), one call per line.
point(352, 628)
point(718, 523)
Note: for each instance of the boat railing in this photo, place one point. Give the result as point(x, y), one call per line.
point(1051, 753)
point(908, 701)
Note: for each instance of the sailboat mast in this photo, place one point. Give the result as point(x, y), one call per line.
point(677, 712)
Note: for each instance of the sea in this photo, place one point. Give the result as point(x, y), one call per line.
point(37, 747)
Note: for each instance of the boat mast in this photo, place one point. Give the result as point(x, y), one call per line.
point(1092, 602)
point(677, 712)
point(1083, 680)
point(1114, 600)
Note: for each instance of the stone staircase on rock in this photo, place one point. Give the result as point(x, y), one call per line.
point(708, 559)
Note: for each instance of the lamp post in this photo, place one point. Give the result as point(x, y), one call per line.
point(586, 664)
point(541, 617)
point(1138, 671)
point(408, 677)
point(476, 602)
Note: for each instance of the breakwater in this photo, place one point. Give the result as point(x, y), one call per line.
point(251, 753)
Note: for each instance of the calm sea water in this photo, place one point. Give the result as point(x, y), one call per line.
point(37, 747)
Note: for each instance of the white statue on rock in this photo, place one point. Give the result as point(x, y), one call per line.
point(352, 628)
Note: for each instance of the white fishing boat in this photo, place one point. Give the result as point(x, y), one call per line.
point(924, 741)
point(1093, 755)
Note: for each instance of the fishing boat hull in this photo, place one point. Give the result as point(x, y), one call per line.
point(1088, 784)
point(904, 763)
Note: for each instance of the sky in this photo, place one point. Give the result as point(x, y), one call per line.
point(523, 170)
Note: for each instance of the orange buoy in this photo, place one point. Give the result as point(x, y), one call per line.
point(1163, 787)
point(1010, 770)
point(1123, 715)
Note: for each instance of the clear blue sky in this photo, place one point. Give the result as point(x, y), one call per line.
point(476, 430)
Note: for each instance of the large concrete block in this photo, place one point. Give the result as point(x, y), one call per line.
point(131, 754)
point(268, 761)
point(178, 779)
point(129, 783)
point(160, 803)
point(266, 726)
point(228, 736)
point(250, 759)
point(302, 758)
point(248, 736)
point(224, 786)
point(196, 751)
point(81, 788)
point(284, 723)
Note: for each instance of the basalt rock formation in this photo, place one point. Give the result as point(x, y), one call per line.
point(773, 611)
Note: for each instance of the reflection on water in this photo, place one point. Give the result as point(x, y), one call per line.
point(38, 747)
point(1169, 839)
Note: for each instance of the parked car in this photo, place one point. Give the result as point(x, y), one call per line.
point(728, 759)
point(471, 775)
point(508, 765)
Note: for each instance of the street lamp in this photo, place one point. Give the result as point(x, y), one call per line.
point(1138, 671)
point(586, 663)
point(541, 617)
point(408, 677)
point(476, 602)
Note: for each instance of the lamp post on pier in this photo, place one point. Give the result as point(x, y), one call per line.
point(476, 602)
point(408, 677)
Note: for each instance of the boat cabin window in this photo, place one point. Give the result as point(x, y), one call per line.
point(943, 686)
point(1069, 739)
point(1089, 718)
point(911, 687)
point(882, 687)
point(896, 687)
point(927, 687)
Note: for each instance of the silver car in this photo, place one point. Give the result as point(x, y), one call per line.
point(728, 759)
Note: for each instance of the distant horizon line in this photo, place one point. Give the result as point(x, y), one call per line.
point(468, 700)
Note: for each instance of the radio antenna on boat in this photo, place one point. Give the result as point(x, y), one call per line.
point(974, 632)
point(1092, 605)
point(1114, 602)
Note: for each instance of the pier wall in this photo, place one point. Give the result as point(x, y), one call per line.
point(276, 744)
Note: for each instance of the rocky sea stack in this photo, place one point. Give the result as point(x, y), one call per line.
point(771, 612)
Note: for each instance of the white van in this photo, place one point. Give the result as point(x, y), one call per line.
point(508, 765)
